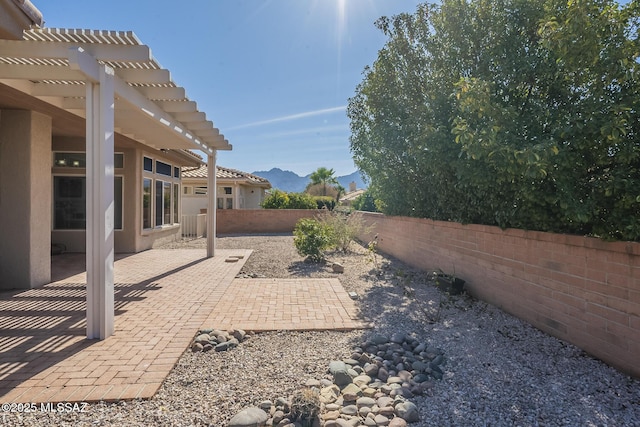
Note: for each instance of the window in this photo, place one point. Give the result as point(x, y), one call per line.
point(200, 191)
point(118, 160)
point(117, 202)
point(70, 160)
point(159, 203)
point(79, 160)
point(161, 193)
point(70, 202)
point(176, 195)
point(163, 203)
point(163, 168)
point(166, 202)
point(146, 203)
point(225, 201)
point(187, 190)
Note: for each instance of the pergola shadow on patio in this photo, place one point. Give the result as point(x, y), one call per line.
point(161, 299)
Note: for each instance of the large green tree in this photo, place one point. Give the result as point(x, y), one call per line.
point(518, 113)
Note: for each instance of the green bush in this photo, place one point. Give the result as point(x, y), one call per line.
point(301, 201)
point(279, 199)
point(312, 238)
point(325, 202)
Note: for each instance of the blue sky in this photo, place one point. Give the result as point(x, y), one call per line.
point(274, 76)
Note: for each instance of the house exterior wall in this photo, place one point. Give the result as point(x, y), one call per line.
point(244, 196)
point(132, 237)
point(25, 199)
point(125, 239)
point(582, 290)
point(252, 196)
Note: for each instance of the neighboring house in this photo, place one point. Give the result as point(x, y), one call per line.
point(93, 137)
point(353, 194)
point(236, 189)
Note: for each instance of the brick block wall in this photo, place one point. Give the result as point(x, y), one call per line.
point(582, 290)
point(254, 221)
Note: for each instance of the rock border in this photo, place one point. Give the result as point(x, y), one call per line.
point(372, 388)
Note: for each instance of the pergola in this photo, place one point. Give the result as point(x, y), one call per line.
point(111, 81)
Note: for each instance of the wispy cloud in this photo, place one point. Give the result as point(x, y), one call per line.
point(319, 130)
point(291, 117)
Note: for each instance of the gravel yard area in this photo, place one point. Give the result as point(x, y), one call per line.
point(498, 370)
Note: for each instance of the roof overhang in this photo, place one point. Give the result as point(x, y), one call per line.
point(16, 16)
point(185, 158)
point(149, 107)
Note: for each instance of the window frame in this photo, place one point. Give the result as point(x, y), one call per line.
point(163, 213)
point(82, 206)
point(82, 159)
point(147, 215)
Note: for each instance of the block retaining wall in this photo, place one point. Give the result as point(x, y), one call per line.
point(582, 290)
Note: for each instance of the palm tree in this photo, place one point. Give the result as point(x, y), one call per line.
point(341, 191)
point(323, 176)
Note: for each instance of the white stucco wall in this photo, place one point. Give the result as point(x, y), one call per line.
point(253, 199)
point(192, 204)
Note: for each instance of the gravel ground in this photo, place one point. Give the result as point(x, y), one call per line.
point(499, 371)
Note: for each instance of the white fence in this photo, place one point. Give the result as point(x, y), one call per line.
point(194, 226)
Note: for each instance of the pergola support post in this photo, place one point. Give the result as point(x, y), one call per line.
point(211, 204)
point(100, 204)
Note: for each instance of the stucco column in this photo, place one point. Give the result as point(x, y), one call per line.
point(236, 196)
point(100, 208)
point(25, 199)
point(212, 195)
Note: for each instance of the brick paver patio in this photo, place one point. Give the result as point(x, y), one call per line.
point(292, 304)
point(162, 297)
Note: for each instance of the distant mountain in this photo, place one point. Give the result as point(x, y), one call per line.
point(284, 180)
point(292, 182)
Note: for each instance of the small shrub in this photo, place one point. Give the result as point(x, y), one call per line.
point(305, 406)
point(343, 228)
point(311, 238)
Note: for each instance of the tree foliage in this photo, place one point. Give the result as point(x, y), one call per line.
point(324, 179)
point(278, 199)
point(365, 202)
point(517, 113)
point(321, 190)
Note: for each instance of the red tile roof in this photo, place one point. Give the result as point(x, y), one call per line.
point(224, 174)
